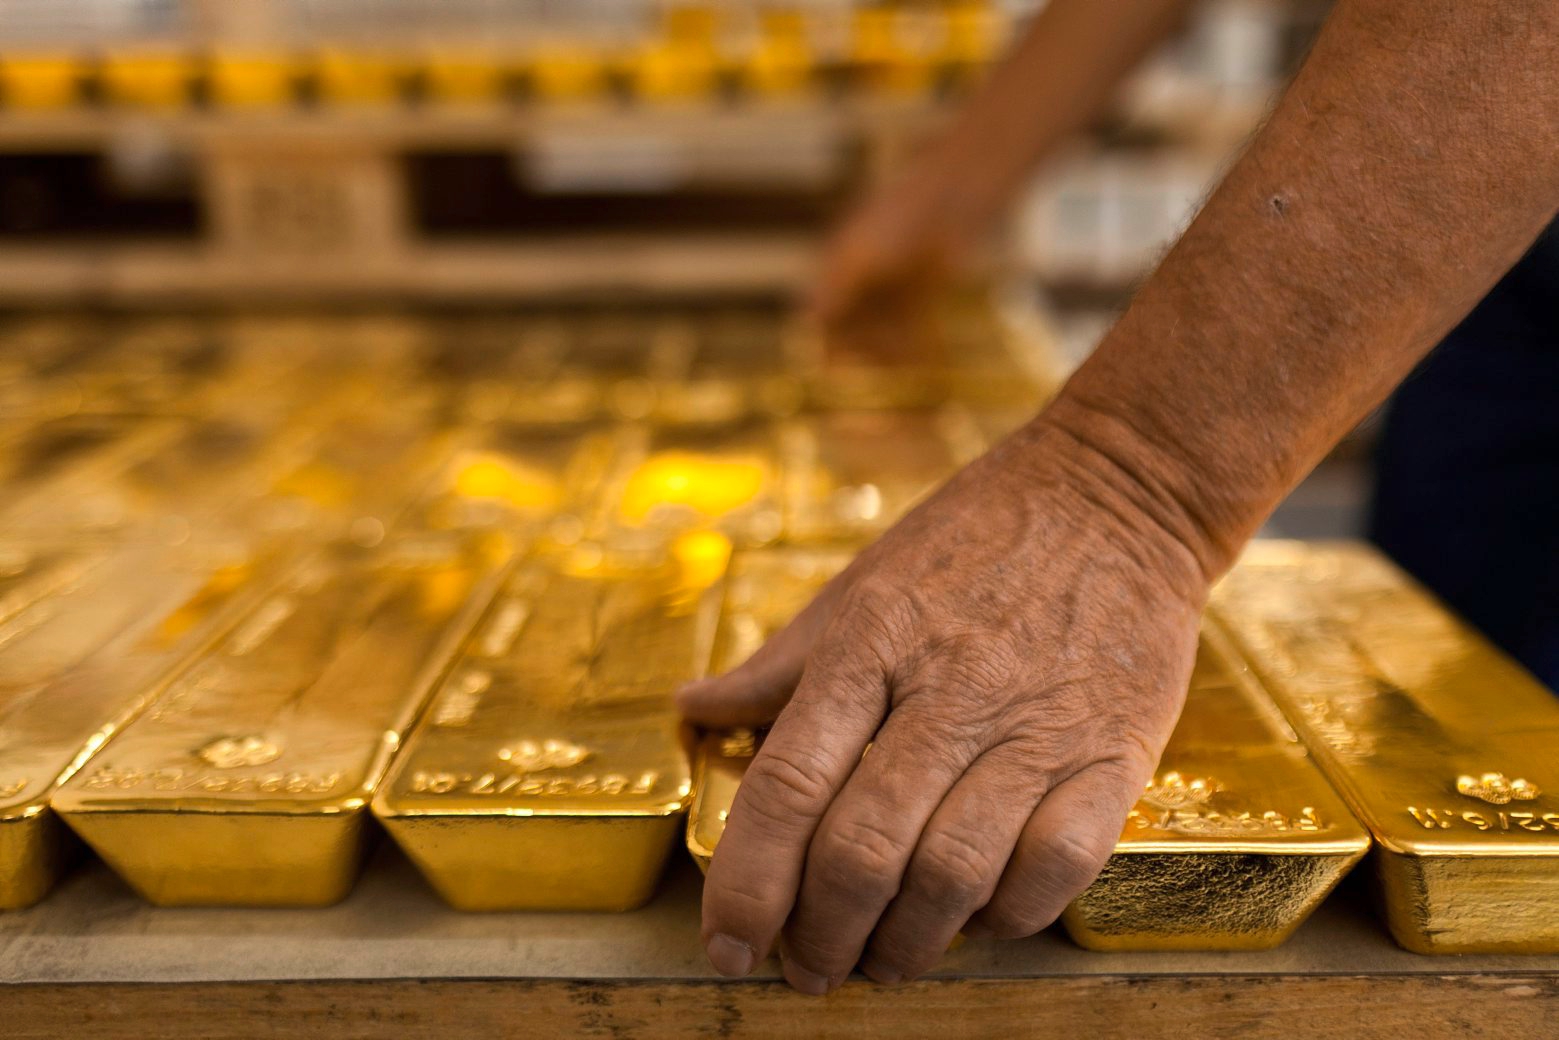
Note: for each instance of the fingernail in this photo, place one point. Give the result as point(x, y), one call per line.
point(976, 930)
point(730, 957)
point(808, 982)
point(879, 972)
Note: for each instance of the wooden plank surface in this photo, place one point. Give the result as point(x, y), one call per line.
point(391, 961)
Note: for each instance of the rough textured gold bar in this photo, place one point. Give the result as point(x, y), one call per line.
point(1237, 838)
point(849, 475)
point(247, 782)
point(88, 641)
point(1443, 746)
point(764, 589)
point(549, 771)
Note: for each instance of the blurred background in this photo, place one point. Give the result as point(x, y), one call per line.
point(457, 155)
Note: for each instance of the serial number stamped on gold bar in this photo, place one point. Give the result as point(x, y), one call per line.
point(1510, 822)
point(171, 779)
point(522, 783)
point(1213, 822)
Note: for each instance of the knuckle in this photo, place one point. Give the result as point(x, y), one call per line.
point(1071, 860)
point(953, 874)
point(785, 783)
point(859, 859)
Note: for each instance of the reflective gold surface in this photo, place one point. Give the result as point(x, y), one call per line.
point(849, 475)
point(549, 771)
point(1237, 838)
point(247, 782)
point(1446, 749)
point(88, 639)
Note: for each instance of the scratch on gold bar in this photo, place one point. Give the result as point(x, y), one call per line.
point(549, 771)
point(247, 782)
point(1237, 838)
point(764, 589)
point(87, 647)
point(1443, 746)
point(849, 475)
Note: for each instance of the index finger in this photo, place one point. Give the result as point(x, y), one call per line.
point(809, 754)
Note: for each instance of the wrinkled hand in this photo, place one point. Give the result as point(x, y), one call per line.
point(1016, 652)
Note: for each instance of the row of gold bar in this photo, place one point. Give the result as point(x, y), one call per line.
point(275, 538)
point(782, 53)
point(412, 595)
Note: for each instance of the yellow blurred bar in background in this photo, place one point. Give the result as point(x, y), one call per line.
point(550, 772)
point(151, 79)
point(1446, 749)
point(239, 79)
point(248, 781)
point(41, 82)
point(348, 76)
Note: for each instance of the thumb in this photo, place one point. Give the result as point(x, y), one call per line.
point(753, 693)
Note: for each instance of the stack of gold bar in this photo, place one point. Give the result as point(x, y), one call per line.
point(1445, 748)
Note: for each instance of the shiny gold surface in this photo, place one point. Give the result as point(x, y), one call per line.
point(1444, 747)
point(247, 782)
point(850, 475)
point(1237, 838)
point(549, 771)
point(88, 639)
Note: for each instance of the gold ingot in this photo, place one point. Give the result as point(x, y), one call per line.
point(850, 475)
point(781, 62)
point(764, 589)
point(674, 70)
point(894, 48)
point(89, 641)
point(248, 781)
point(40, 81)
point(669, 480)
point(1443, 746)
point(549, 771)
point(568, 73)
point(252, 80)
point(147, 79)
point(1237, 838)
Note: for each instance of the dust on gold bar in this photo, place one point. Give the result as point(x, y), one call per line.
point(90, 638)
point(247, 782)
point(549, 771)
point(1443, 746)
point(1234, 842)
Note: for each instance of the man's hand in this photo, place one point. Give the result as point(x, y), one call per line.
point(1015, 652)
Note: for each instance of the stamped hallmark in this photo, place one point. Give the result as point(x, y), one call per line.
point(1174, 791)
point(533, 756)
point(1496, 788)
point(233, 752)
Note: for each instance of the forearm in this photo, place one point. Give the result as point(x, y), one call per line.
point(1409, 165)
point(1058, 78)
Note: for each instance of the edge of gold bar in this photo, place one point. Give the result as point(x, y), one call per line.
point(88, 650)
point(1443, 746)
point(1236, 839)
point(248, 780)
point(550, 771)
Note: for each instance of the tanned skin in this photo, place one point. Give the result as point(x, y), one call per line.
point(1017, 649)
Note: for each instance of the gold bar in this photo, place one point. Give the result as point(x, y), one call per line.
point(764, 589)
point(520, 479)
point(1443, 746)
point(549, 771)
point(1237, 838)
point(670, 480)
point(1234, 843)
point(47, 459)
point(850, 475)
point(247, 782)
point(88, 641)
point(740, 362)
